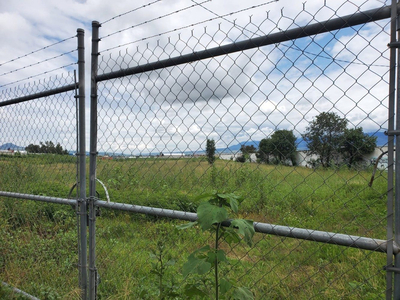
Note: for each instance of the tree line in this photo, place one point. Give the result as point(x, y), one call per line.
point(327, 137)
point(46, 147)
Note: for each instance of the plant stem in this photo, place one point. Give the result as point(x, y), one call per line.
point(216, 262)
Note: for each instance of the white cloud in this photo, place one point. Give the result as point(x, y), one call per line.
point(234, 98)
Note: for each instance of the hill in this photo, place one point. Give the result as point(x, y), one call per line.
point(11, 146)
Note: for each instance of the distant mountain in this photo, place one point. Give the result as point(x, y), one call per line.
point(382, 138)
point(236, 148)
point(11, 146)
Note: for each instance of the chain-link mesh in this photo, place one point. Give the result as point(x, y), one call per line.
point(38, 142)
point(297, 120)
point(153, 129)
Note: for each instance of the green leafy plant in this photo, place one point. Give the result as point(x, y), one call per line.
point(163, 260)
point(213, 216)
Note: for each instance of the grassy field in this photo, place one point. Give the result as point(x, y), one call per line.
point(38, 241)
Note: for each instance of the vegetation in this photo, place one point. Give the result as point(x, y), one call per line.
point(281, 146)
point(143, 257)
point(211, 216)
point(47, 147)
point(324, 136)
point(246, 151)
point(355, 145)
point(328, 137)
point(210, 151)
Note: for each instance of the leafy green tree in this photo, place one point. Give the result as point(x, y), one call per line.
point(283, 144)
point(355, 145)
point(47, 147)
point(242, 158)
point(264, 150)
point(246, 151)
point(324, 136)
point(210, 151)
point(31, 148)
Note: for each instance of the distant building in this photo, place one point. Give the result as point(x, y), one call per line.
point(12, 152)
point(305, 159)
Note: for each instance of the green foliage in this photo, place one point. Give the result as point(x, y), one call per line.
point(38, 251)
point(212, 214)
point(281, 146)
point(243, 158)
point(7, 292)
point(356, 144)
point(47, 147)
point(210, 151)
point(264, 150)
point(162, 261)
point(248, 149)
point(324, 136)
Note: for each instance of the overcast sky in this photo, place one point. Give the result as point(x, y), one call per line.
point(241, 97)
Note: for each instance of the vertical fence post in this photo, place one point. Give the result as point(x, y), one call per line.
point(395, 20)
point(92, 164)
point(82, 166)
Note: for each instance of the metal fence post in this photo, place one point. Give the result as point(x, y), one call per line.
point(82, 166)
point(395, 20)
point(92, 167)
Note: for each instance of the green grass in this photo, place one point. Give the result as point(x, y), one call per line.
point(38, 250)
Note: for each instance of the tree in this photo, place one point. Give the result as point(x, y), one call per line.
point(33, 148)
point(248, 149)
point(283, 146)
point(324, 136)
point(264, 150)
point(355, 145)
point(47, 147)
point(210, 151)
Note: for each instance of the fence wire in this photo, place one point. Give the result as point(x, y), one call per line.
point(153, 126)
point(39, 252)
point(294, 103)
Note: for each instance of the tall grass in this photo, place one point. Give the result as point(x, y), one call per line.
point(38, 251)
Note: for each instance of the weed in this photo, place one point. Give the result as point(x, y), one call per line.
point(212, 214)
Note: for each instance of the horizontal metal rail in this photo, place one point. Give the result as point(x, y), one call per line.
point(18, 291)
point(278, 230)
point(39, 198)
point(43, 94)
point(274, 38)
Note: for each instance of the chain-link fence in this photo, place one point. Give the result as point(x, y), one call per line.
point(291, 103)
point(291, 111)
point(39, 170)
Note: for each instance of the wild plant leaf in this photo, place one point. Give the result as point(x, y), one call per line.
point(192, 290)
point(202, 249)
point(244, 228)
point(231, 236)
point(186, 225)
point(220, 255)
point(232, 199)
point(171, 262)
point(196, 265)
point(242, 293)
point(225, 285)
point(205, 197)
point(209, 214)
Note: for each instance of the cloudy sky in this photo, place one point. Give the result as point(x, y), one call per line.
point(232, 98)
